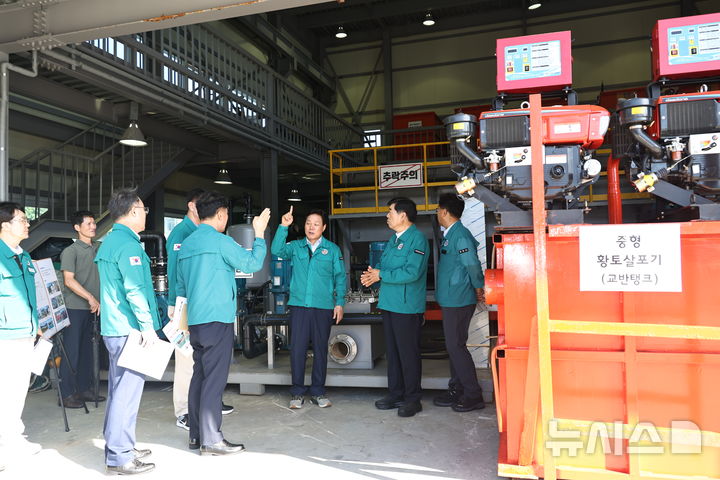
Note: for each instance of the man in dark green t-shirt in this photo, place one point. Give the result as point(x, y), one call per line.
point(82, 290)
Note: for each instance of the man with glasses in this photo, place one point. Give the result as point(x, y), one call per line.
point(18, 328)
point(127, 302)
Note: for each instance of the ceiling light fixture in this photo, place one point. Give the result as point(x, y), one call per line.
point(429, 21)
point(223, 177)
point(294, 195)
point(534, 5)
point(133, 136)
point(340, 32)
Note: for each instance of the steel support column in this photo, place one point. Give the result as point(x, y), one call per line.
point(5, 67)
point(269, 185)
point(388, 81)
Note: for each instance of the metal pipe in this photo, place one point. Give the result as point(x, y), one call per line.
point(646, 141)
point(5, 68)
point(252, 347)
point(467, 152)
point(614, 195)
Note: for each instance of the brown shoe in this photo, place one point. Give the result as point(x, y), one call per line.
point(73, 401)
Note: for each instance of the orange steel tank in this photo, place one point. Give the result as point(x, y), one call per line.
point(620, 380)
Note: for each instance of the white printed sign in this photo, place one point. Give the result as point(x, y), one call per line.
point(404, 175)
point(630, 258)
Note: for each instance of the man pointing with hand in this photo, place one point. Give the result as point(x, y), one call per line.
point(206, 277)
point(317, 296)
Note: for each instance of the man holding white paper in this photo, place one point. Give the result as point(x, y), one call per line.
point(127, 302)
point(206, 277)
point(18, 328)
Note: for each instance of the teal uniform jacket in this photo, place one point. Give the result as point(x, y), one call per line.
point(206, 273)
point(178, 235)
point(318, 281)
point(403, 273)
point(127, 297)
point(459, 269)
point(18, 303)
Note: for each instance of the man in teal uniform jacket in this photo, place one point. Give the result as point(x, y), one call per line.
point(183, 364)
point(459, 288)
point(127, 302)
point(402, 275)
point(18, 328)
point(317, 296)
point(206, 277)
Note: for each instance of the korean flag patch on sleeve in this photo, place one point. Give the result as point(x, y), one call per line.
point(135, 261)
point(176, 246)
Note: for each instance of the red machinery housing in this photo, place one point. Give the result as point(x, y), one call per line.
point(671, 143)
point(601, 374)
point(570, 134)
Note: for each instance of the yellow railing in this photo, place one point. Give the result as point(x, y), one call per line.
point(338, 176)
point(339, 186)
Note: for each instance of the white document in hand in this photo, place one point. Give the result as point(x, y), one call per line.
point(174, 330)
point(151, 360)
point(40, 355)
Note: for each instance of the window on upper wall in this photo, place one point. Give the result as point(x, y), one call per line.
point(33, 213)
point(372, 138)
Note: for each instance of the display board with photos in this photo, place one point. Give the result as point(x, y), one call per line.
point(51, 309)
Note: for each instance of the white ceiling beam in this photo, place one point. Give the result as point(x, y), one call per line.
point(43, 24)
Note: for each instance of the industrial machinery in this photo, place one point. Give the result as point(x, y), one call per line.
point(671, 143)
point(608, 354)
point(154, 244)
point(498, 173)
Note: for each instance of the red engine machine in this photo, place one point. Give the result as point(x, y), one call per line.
point(499, 172)
point(671, 143)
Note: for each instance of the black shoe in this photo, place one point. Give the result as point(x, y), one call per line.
point(222, 448)
point(388, 403)
point(409, 409)
point(89, 396)
point(194, 444)
point(468, 405)
point(447, 399)
point(227, 409)
point(131, 468)
point(73, 401)
point(141, 453)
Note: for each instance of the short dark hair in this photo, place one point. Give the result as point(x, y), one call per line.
point(78, 217)
point(404, 204)
point(122, 201)
point(208, 203)
point(451, 203)
point(193, 194)
point(319, 212)
point(7, 211)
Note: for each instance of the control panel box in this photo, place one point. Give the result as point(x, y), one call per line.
point(534, 63)
point(686, 47)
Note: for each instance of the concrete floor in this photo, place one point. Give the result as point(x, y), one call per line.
point(351, 440)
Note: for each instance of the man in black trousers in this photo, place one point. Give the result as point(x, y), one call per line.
point(206, 277)
point(459, 288)
point(82, 291)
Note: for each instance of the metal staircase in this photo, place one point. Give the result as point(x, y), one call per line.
point(81, 174)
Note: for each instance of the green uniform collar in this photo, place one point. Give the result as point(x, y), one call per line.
point(189, 223)
point(120, 228)
point(7, 251)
